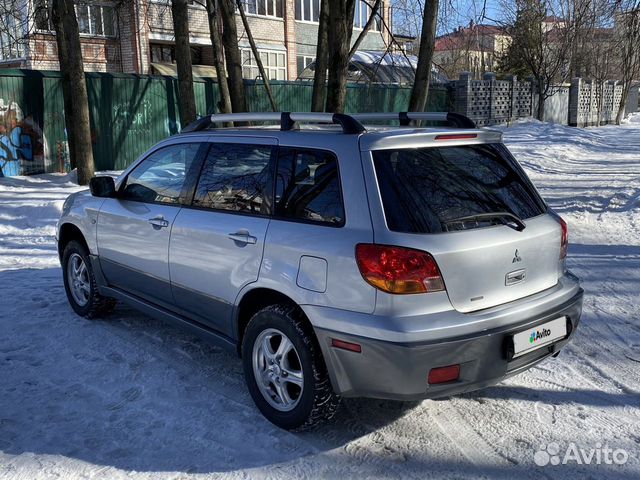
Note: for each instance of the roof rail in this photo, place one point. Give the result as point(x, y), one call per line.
point(452, 119)
point(351, 124)
point(287, 120)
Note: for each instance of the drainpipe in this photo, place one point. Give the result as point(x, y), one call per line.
point(138, 35)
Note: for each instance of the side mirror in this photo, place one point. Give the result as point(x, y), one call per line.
point(103, 186)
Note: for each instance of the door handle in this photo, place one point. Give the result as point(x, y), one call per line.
point(515, 277)
point(243, 237)
point(158, 222)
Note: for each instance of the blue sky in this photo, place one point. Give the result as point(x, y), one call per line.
point(454, 13)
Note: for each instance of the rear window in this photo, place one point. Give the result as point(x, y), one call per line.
point(427, 190)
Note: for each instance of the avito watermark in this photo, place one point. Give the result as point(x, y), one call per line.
point(550, 454)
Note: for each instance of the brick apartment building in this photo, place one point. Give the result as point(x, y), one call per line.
point(136, 36)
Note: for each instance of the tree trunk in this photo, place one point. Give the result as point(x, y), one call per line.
point(224, 105)
point(256, 55)
point(318, 96)
point(74, 88)
point(623, 102)
point(187, 104)
point(365, 30)
point(232, 55)
point(420, 90)
point(341, 27)
point(541, 99)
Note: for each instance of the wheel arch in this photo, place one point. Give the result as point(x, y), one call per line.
point(69, 231)
point(254, 300)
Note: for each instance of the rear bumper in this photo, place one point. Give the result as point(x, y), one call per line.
point(399, 370)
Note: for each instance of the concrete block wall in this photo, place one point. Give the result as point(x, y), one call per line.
point(490, 101)
point(593, 103)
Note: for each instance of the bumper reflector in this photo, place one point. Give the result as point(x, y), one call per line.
point(444, 374)
point(352, 347)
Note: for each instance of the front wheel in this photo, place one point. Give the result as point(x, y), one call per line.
point(285, 372)
point(80, 283)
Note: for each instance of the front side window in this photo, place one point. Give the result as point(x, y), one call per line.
point(236, 177)
point(308, 187)
point(160, 178)
point(429, 190)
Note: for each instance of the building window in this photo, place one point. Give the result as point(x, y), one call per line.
point(166, 53)
point(94, 20)
point(162, 53)
point(41, 15)
point(267, 8)
point(273, 62)
point(362, 14)
point(303, 61)
point(11, 37)
point(309, 11)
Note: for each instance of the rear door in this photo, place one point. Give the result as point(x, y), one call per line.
point(133, 229)
point(437, 199)
point(217, 243)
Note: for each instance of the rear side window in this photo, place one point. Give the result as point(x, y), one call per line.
point(308, 187)
point(160, 178)
point(235, 177)
point(425, 190)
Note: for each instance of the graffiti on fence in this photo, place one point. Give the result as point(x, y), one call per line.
point(136, 120)
point(22, 142)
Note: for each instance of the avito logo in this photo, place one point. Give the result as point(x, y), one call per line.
point(538, 335)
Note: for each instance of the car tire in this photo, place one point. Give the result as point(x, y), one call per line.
point(300, 376)
point(80, 283)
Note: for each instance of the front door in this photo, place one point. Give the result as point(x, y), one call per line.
point(217, 244)
point(134, 228)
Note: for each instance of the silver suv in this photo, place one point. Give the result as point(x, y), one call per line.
point(395, 262)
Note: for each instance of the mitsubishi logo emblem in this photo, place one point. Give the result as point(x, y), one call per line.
point(516, 257)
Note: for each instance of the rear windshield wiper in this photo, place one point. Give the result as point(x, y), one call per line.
point(506, 218)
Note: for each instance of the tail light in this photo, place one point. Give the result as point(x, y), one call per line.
point(564, 242)
point(398, 270)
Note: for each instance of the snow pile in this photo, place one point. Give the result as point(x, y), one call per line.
point(130, 397)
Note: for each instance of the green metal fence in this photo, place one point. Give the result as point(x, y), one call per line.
point(129, 113)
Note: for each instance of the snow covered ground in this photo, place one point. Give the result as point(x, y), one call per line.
point(130, 397)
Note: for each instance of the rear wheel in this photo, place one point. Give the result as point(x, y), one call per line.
point(285, 372)
point(80, 283)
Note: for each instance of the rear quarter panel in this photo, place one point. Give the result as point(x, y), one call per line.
point(288, 241)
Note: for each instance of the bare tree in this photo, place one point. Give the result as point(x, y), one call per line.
point(628, 34)
point(318, 95)
point(215, 30)
point(542, 39)
point(74, 88)
point(187, 104)
point(341, 14)
point(232, 55)
point(420, 90)
point(256, 56)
